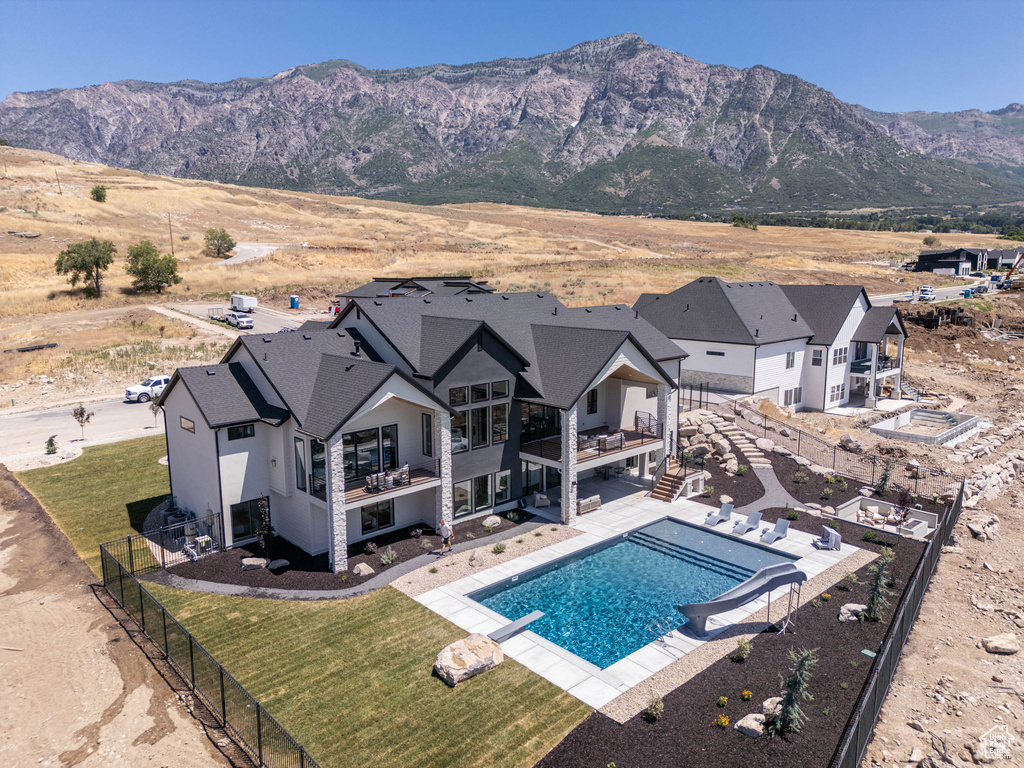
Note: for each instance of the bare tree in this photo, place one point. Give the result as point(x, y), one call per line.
point(155, 410)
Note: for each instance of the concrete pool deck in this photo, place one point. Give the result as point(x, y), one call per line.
point(587, 682)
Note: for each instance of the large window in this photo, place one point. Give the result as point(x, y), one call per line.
point(376, 517)
point(300, 463)
point(481, 427)
point(482, 493)
point(499, 423)
point(533, 477)
point(460, 437)
point(592, 401)
point(790, 360)
point(552, 478)
point(816, 357)
point(245, 519)
point(539, 421)
point(241, 432)
point(458, 396)
point(502, 486)
point(318, 464)
point(461, 498)
point(428, 434)
point(369, 451)
point(840, 355)
point(499, 389)
point(837, 393)
point(793, 396)
point(480, 392)
point(860, 351)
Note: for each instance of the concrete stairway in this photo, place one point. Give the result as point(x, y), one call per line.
point(752, 455)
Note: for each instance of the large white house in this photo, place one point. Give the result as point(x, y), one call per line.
point(813, 347)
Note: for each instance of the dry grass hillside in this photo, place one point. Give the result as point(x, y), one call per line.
point(583, 258)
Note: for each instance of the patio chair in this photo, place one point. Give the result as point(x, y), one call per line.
point(830, 539)
point(746, 526)
point(389, 480)
point(771, 535)
point(372, 483)
point(540, 500)
point(403, 475)
point(723, 514)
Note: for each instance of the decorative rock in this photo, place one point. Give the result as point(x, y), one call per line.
point(850, 443)
point(279, 563)
point(492, 521)
point(1006, 643)
point(254, 563)
point(699, 450)
point(784, 431)
point(466, 658)
point(688, 431)
point(764, 444)
point(476, 560)
point(362, 569)
point(721, 446)
point(752, 725)
point(725, 499)
point(770, 708)
point(803, 462)
point(732, 466)
point(916, 755)
point(707, 429)
point(851, 612)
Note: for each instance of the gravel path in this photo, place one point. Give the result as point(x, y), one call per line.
point(774, 494)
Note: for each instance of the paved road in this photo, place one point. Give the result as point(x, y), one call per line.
point(27, 432)
point(953, 292)
point(249, 251)
point(264, 320)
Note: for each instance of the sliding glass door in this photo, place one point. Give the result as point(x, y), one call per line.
point(369, 451)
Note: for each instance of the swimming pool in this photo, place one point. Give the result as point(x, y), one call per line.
point(599, 602)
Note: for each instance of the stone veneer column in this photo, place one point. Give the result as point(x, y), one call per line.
point(336, 518)
point(899, 376)
point(570, 442)
point(665, 423)
point(442, 421)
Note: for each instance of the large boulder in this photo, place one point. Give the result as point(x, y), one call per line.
point(1006, 643)
point(721, 445)
point(732, 466)
point(851, 443)
point(851, 612)
point(764, 444)
point(492, 521)
point(707, 429)
point(254, 563)
point(752, 725)
point(362, 569)
point(771, 708)
point(699, 450)
point(466, 658)
point(688, 431)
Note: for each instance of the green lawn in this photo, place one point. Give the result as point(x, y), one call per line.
point(103, 495)
point(352, 681)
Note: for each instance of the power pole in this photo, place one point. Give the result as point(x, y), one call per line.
point(59, 190)
point(170, 232)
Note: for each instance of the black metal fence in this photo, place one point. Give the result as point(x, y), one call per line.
point(168, 546)
point(252, 728)
point(859, 727)
point(872, 469)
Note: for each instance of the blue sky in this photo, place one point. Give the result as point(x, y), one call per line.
point(892, 56)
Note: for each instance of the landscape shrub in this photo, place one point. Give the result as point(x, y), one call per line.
point(792, 515)
point(743, 649)
point(790, 717)
point(722, 721)
point(370, 548)
point(747, 695)
point(388, 556)
point(800, 477)
point(723, 702)
point(826, 493)
point(655, 709)
point(870, 536)
point(99, 193)
point(498, 548)
point(708, 490)
point(51, 445)
point(878, 599)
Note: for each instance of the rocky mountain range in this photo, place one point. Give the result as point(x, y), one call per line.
point(616, 125)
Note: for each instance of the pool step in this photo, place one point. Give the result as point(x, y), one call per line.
point(690, 556)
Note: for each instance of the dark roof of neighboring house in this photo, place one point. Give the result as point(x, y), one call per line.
point(824, 307)
point(710, 309)
point(226, 395)
point(877, 322)
point(443, 285)
point(314, 325)
point(428, 331)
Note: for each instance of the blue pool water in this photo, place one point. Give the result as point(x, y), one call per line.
point(599, 602)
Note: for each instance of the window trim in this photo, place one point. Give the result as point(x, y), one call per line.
point(464, 415)
point(817, 358)
point(592, 401)
point(507, 474)
point(299, 446)
point(247, 431)
point(453, 400)
point(485, 430)
point(377, 526)
point(469, 498)
point(714, 352)
point(790, 360)
point(840, 355)
point(504, 384)
point(473, 395)
point(490, 493)
point(494, 437)
point(427, 439)
point(187, 424)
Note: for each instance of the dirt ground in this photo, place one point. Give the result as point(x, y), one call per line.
point(74, 689)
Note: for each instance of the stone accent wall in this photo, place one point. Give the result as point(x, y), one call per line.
point(570, 442)
point(336, 517)
point(722, 382)
point(667, 430)
point(444, 505)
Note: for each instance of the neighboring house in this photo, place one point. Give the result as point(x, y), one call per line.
point(956, 262)
point(418, 287)
point(806, 346)
point(407, 411)
point(1002, 258)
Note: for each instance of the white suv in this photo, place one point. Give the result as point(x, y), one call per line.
point(147, 390)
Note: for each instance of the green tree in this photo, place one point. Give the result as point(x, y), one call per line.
point(878, 597)
point(218, 243)
point(86, 262)
point(150, 270)
point(82, 416)
point(790, 717)
point(99, 193)
point(51, 445)
point(4, 143)
point(932, 241)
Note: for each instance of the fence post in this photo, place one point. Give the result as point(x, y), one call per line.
point(259, 733)
point(163, 617)
point(764, 421)
point(142, 609)
point(798, 434)
point(191, 660)
point(163, 552)
point(120, 581)
point(835, 457)
point(131, 556)
point(223, 703)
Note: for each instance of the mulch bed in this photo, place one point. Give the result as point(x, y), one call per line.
point(685, 734)
point(312, 572)
point(744, 489)
point(810, 492)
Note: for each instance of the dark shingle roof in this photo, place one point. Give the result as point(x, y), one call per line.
point(314, 325)
point(226, 395)
point(570, 358)
point(710, 309)
point(341, 386)
point(876, 324)
point(823, 307)
point(442, 285)
point(427, 331)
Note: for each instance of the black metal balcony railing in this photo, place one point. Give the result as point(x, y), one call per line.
point(380, 482)
point(883, 364)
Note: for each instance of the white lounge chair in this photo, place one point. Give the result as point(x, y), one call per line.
point(746, 526)
point(771, 535)
point(830, 539)
point(720, 516)
point(540, 500)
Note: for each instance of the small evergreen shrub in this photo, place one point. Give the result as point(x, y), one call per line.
point(743, 649)
point(99, 193)
point(878, 598)
point(655, 709)
point(498, 548)
point(708, 490)
point(791, 718)
point(792, 515)
point(826, 493)
point(51, 445)
point(870, 536)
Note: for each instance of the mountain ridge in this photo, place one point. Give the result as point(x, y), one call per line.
point(617, 124)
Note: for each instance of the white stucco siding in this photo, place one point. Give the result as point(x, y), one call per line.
point(771, 376)
point(297, 519)
point(609, 398)
point(411, 509)
point(244, 468)
point(814, 378)
point(634, 398)
point(192, 458)
point(838, 374)
point(737, 360)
